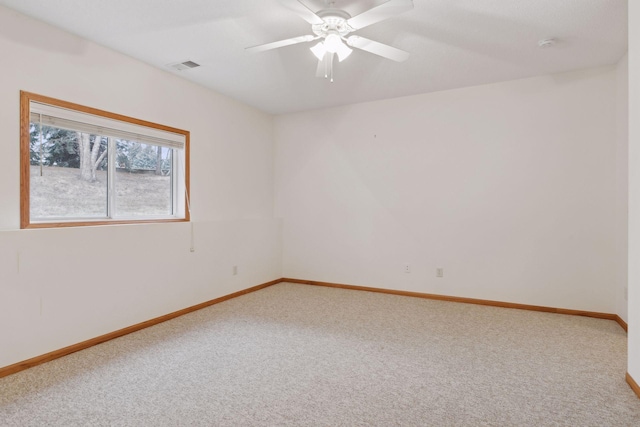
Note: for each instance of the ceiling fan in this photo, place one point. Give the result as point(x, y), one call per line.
point(333, 26)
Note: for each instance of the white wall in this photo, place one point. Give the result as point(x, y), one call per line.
point(622, 185)
point(634, 190)
point(510, 187)
point(62, 286)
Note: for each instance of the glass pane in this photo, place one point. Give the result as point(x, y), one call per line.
point(143, 182)
point(68, 174)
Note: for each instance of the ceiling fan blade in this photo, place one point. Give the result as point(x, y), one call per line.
point(303, 10)
point(380, 13)
point(377, 48)
point(281, 43)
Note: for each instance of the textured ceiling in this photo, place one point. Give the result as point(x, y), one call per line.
point(453, 43)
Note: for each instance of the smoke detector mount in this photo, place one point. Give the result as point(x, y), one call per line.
point(546, 43)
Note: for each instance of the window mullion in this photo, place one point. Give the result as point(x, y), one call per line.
point(175, 171)
point(111, 177)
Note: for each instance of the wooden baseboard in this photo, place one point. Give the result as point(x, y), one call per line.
point(26, 364)
point(634, 385)
point(595, 314)
point(621, 323)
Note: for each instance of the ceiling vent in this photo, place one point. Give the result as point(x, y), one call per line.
point(186, 65)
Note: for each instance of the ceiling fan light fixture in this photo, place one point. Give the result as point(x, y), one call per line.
point(332, 43)
point(319, 50)
point(343, 52)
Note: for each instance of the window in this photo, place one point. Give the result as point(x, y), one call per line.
point(82, 166)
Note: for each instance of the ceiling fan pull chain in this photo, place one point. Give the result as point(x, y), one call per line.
point(331, 55)
point(326, 66)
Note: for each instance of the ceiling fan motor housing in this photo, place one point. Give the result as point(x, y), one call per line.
point(335, 22)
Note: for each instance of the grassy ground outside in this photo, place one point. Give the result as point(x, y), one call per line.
point(61, 193)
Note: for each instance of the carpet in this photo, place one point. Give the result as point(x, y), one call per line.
point(299, 355)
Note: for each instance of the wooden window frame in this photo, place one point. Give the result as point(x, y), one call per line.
point(25, 171)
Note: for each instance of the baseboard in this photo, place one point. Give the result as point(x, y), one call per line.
point(621, 323)
point(634, 385)
point(595, 314)
point(29, 363)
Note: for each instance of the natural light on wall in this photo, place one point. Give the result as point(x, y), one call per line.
point(82, 166)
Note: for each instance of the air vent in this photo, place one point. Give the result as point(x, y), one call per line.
point(183, 65)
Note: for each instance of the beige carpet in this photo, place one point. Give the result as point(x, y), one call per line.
point(297, 355)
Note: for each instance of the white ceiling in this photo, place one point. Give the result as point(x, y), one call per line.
point(453, 43)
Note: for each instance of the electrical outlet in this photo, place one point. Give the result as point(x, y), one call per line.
point(407, 268)
point(440, 272)
point(235, 270)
